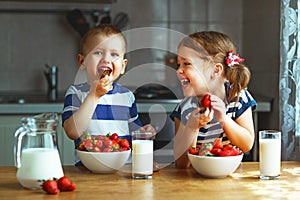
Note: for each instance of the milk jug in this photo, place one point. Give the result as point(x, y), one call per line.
point(36, 151)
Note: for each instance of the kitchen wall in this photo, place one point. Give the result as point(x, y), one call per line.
point(30, 40)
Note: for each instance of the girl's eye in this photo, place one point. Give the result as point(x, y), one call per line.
point(186, 63)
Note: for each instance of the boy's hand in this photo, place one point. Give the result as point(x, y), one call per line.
point(101, 87)
point(149, 128)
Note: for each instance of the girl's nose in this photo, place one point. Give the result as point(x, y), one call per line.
point(179, 70)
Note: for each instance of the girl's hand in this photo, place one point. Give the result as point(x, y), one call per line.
point(219, 108)
point(197, 120)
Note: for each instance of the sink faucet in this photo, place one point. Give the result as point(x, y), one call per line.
point(51, 77)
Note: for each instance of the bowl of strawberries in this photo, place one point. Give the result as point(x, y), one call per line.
point(215, 159)
point(103, 153)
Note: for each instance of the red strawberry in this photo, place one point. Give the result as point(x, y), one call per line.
point(50, 186)
point(114, 136)
point(205, 101)
point(104, 72)
point(124, 143)
point(65, 184)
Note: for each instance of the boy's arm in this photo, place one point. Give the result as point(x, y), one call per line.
point(79, 121)
point(76, 124)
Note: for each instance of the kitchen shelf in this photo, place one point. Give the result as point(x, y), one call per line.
point(64, 1)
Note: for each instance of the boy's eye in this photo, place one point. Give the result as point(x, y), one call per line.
point(99, 53)
point(115, 55)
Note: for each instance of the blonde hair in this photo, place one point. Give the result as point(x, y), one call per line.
point(105, 30)
point(215, 46)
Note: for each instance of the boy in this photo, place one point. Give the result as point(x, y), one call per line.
point(100, 106)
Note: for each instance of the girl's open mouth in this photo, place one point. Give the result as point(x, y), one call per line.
point(185, 82)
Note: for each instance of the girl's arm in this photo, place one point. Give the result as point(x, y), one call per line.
point(241, 131)
point(186, 136)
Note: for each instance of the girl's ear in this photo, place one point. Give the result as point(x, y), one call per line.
point(218, 69)
point(80, 60)
point(124, 63)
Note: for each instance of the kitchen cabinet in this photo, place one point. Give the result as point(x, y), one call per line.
point(10, 123)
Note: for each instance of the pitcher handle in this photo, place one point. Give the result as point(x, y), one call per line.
point(18, 145)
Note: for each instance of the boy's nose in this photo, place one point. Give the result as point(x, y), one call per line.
point(105, 57)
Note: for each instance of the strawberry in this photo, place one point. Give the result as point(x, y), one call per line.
point(124, 143)
point(104, 72)
point(50, 186)
point(114, 136)
point(205, 101)
point(65, 184)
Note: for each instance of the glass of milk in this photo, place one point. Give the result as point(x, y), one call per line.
point(142, 155)
point(269, 154)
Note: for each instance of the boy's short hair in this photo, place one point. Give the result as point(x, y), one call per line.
point(101, 30)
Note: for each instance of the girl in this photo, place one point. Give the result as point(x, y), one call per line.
point(208, 64)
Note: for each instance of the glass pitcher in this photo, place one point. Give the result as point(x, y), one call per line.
point(36, 153)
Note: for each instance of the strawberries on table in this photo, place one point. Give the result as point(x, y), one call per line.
point(63, 184)
point(50, 186)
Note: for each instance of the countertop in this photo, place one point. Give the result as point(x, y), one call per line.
point(169, 183)
point(160, 105)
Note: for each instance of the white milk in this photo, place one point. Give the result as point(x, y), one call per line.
point(142, 157)
point(39, 164)
point(270, 157)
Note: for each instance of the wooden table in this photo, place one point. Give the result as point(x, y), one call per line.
point(170, 183)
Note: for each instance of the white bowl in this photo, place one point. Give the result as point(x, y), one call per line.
point(215, 167)
point(103, 162)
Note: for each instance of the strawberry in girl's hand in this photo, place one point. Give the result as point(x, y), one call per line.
point(65, 184)
point(50, 186)
point(205, 102)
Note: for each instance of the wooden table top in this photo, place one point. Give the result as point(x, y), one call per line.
point(170, 183)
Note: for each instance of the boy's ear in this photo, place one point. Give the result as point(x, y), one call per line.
point(80, 59)
point(124, 63)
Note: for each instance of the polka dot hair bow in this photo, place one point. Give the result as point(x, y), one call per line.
point(233, 59)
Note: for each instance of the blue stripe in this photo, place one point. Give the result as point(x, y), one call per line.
point(108, 112)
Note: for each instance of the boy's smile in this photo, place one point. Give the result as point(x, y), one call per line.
point(106, 57)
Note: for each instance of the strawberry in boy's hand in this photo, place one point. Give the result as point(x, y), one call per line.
point(103, 72)
point(205, 101)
